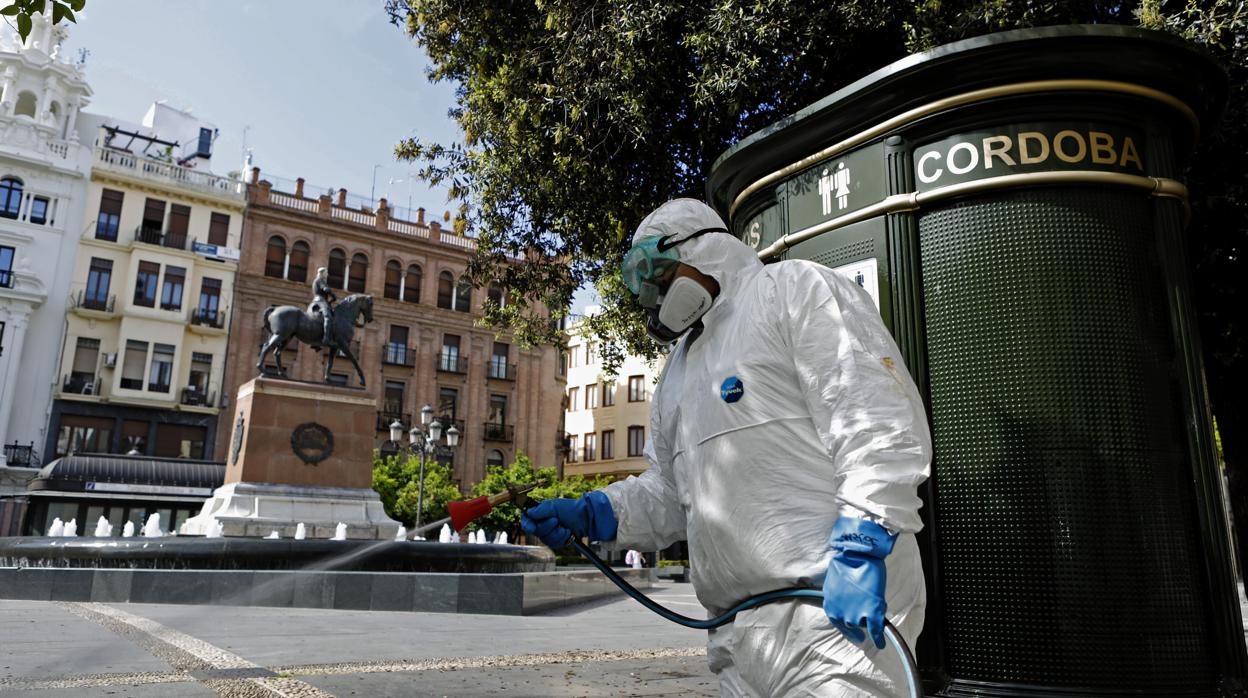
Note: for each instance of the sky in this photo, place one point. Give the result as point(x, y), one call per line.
point(317, 89)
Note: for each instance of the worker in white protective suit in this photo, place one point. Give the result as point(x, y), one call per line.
point(787, 445)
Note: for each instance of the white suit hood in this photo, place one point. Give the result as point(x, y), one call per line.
point(718, 255)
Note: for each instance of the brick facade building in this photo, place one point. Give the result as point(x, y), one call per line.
point(423, 346)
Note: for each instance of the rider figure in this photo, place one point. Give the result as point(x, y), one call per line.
point(323, 302)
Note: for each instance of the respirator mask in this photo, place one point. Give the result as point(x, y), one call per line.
point(672, 306)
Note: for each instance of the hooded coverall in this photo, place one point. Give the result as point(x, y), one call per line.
point(828, 423)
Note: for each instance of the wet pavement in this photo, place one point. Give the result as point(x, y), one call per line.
point(610, 648)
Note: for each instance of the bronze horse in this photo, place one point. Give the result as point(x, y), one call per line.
point(287, 322)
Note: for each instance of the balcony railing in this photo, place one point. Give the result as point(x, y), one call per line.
point(452, 363)
point(398, 355)
point(88, 302)
point(137, 165)
point(18, 456)
point(198, 398)
point(386, 417)
point(80, 383)
point(208, 318)
point(157, 387)
point(499, 432)
point(447, 422)
point(499, 368)
point(153, 236)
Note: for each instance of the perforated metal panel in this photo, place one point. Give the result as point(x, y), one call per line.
point(1065, 505)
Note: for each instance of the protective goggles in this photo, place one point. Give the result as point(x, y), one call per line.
point(651, 260)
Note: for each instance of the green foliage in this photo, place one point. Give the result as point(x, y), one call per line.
point(506, 517)
point(397, 481)
point(21, 10)
point(673, 563)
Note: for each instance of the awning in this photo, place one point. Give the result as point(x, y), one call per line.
point(119, 476)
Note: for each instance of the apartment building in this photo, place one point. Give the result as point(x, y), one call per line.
point(607, 419)
point(423, 347)
point(43, 182)
point(144, 350)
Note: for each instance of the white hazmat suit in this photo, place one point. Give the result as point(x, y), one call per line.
point(828, 422)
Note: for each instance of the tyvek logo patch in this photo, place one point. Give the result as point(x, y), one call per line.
point(731, 389)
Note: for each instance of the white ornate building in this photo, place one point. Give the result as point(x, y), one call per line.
point(43, 185)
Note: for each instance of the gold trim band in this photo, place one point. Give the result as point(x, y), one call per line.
point(900, 203)
point(962, 100)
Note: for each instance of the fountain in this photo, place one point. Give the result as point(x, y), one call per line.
point(340, 532)
point(103, 529)
point(274, 535)
point(444, 536)
point(151, 528)
point(301, 531)
point(71, 529)
point(127, 531)
point(401, 534)
point(57, 529)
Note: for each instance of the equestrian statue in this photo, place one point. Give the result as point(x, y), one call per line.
point(323, 326)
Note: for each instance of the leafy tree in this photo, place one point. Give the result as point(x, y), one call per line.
point(578, 119)
point(397, 481)
point(21, 10)
point(506, 517)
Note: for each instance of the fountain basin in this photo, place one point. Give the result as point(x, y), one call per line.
point(194, 553)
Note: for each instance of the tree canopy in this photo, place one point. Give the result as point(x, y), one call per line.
point(578, 118)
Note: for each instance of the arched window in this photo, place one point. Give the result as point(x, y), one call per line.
point(446, 290)
point(494, 458)
point(298, 268)
point(411, 285)
point(359, 273)
point(337, 268)
point(496, 294)
point(463, 294)
point(26, 105)
point(10, 197)
point(394, 279)
point(275, 258)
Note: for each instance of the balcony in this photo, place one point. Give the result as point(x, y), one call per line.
point(197, 397)
point(18, 456)
point(499, 432)
point(80, 383)
point(206, 317)
point(448, 422)
point(386, 417)
point(167, 173)
point(452, 363)
point(153, 236)
point(398, 355)
point(99, 303)
point(498, 367)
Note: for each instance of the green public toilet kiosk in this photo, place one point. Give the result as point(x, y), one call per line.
point(1012, 202)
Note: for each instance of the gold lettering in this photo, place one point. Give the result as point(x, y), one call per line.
point(998, 146)
point(1061, 154)
point(1102, 148)
point(1129, 153)
point(1024, 156)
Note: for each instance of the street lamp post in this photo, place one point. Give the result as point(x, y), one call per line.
point(423, 443)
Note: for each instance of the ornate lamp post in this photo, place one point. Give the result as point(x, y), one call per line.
point(423, 443)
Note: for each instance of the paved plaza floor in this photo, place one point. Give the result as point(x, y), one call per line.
point(611, 648)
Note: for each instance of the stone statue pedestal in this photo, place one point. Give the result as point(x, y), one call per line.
point(299, 453)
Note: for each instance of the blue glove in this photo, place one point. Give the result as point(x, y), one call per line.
point(557, 520)
point(853, 589)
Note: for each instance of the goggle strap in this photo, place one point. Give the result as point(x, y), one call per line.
point(664, 245)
